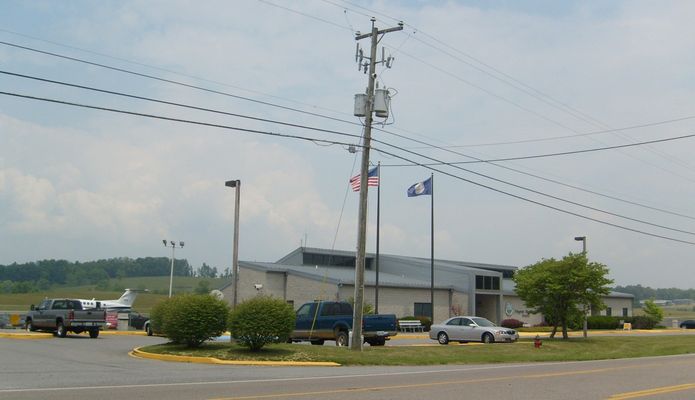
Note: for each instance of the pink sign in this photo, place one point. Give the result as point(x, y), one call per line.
point(111, 319)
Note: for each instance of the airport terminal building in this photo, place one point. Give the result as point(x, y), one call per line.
point(404, 285)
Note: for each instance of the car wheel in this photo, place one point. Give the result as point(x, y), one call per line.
point(376, 342)
point(29, 326)
point(94, 333)
point(318, 342)
point(443, 338)
point(61, 331)
point(488, 338)
point(148, 329)
point(341, 338)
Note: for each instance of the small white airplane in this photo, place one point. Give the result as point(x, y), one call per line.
point(125, 302)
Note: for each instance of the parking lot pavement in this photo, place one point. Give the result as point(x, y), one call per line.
point(23, 334)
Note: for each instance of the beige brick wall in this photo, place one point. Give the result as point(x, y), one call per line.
point(300, 290)
point(401, 301)
point(521, 312)
point(617, 304)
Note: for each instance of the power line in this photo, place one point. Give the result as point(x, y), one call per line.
point(171, 71)
point(533, 92)
point(171, 81)
point(305, 127)
point(171, 103)
point(90, 88)
point(604, 131)
point(274, 105)
point(180, 120)
point(563, 153)
point(306, 15)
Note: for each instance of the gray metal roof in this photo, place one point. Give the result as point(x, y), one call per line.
point(335, 275)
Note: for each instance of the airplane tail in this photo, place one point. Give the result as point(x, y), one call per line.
point(128, 298)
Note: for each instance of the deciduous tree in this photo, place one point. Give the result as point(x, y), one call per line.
point(561, 289)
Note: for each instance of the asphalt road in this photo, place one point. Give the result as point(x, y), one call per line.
point(79, 367)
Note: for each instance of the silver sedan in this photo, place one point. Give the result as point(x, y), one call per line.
point(465, 329)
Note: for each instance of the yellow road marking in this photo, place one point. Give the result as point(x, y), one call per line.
point(652, 392)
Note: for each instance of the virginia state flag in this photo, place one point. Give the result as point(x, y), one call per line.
point(421, 188)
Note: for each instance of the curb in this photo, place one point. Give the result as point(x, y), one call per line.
point(114, 332)
point(25, 335)
point(136, 352)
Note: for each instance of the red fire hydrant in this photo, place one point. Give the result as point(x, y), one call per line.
point(537, 342)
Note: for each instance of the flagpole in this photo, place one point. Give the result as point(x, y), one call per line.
point(432, 249)
point(378, 210)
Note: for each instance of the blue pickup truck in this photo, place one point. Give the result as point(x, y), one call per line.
point(332, 320)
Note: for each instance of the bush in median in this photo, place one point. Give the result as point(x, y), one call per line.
point(260, 321)
point(190, 319)
point(603, 322)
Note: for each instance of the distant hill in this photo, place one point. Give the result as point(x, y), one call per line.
point(40, 276)
point(158, 289)
point(645, 292)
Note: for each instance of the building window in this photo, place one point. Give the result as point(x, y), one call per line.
point(625, 312)
point(423, 310)
point(609, 311)
point(327, 259)
point(487, 282)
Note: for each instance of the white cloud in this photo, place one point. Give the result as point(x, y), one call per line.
point(85, 184)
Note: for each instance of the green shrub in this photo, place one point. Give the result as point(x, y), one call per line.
point(604, 322)
point(642, 322)
point(426, 322)
point(260, 321)
point(190, 319)
point(653, 311)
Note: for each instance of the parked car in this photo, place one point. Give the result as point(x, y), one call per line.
point(319, 321)
point(140, 321)
point(65, 315)
point(465, 329)
point(688, 324)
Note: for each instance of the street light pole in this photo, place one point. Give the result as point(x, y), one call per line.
point(173, 254)
point(235, 256)
point(583, 240)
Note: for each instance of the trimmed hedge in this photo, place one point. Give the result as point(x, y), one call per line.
point(190, 319)
point(260, 321)
point(606, 322)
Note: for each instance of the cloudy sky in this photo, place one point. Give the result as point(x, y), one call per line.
point(470, 81)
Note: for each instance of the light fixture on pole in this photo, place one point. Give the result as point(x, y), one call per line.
point(583, 240)
point(235, 256)
point(171, 244)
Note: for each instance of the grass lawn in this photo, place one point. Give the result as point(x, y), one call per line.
point(681, 312)
point(552, 350)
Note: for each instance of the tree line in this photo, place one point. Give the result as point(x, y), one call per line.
point(645, 292)
point(41, 275)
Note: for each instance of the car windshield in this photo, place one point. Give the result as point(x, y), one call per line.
point(482, 322)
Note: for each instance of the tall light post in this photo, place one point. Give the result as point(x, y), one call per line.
point(235, 256)
point(583, 240)
point(173, 250)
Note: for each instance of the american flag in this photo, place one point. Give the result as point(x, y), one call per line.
point(372, 179)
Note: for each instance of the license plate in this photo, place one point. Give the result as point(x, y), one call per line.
point(382, 333)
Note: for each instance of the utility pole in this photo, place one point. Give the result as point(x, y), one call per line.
point(235, 256)
point(364, 168)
